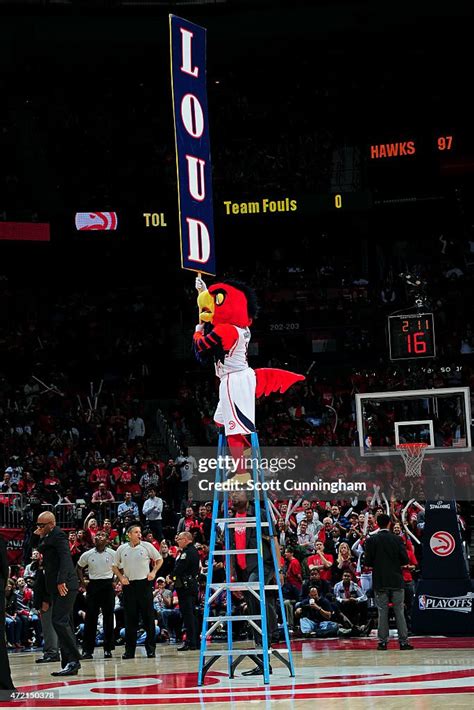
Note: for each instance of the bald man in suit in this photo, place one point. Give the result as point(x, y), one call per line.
point(62, 584)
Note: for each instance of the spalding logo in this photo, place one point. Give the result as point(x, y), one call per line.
point(442, 543)
point(98, 221)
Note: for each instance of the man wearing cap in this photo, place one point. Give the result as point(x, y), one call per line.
point(132, 567)
point(62, 585)
point(100, 594)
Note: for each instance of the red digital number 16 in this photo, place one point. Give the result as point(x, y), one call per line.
point(415, 343)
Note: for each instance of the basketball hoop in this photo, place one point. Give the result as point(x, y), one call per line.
point(412, 455)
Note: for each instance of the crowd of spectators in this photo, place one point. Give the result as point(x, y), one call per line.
point(84, 445)
point(82, 357)
point(87, 452)
point(321, 546)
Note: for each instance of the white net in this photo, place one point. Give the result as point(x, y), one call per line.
point(412, 455)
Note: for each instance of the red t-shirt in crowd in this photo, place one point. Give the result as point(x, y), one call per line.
point(99, 475)
point(122, 478)
point(294, 574)
point(325, 572)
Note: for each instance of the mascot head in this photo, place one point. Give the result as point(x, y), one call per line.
point(229, 302)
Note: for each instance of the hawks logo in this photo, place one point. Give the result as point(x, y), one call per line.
point(442, 543)
point(96, 221)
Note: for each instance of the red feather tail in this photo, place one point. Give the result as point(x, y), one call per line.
point(270, 379)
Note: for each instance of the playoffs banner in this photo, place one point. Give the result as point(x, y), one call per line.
point(193, 152)
point(444, 596)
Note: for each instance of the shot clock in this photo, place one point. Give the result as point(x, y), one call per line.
point(411, 337)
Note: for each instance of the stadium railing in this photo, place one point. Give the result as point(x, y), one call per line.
point(11, 509)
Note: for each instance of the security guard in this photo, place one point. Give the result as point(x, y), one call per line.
point(100, 594)
point(186, 574)
point(132, 567)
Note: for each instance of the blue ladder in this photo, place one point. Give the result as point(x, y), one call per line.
point(234, 656)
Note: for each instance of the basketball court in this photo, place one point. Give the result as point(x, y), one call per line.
point(350, 672)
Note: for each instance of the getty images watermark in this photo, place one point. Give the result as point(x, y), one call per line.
point(280, 471)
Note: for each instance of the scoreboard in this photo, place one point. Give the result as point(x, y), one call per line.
point(411, 337)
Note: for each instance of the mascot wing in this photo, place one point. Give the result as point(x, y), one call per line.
point(270, 380)
point(220, 339)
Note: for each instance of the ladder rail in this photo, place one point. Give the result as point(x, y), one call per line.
point(210, 567)
point(276, 564)
point(228, 580)
point(261, 570)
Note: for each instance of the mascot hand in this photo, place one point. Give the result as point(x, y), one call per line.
point(199, 328)
point(200, 285)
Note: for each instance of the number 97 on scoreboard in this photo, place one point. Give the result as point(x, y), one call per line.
point(411, 337)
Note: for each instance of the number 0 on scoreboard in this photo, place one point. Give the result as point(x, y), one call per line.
point(411, 337)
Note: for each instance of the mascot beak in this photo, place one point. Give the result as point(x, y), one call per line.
point(206, 307)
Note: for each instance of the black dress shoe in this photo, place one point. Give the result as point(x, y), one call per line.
point(48, 659)
point(256, 671)
point(108, 654)
point(187, 647)
point(382, 646)
point(406, 647)
point(152, 654)
point(87, 657)
point(127, 656)
point(70, 668)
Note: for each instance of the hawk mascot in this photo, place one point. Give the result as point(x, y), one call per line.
point(226, 312)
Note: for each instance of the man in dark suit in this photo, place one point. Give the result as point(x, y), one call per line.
point(62, 585)
point(6, 684)
point(386, 554)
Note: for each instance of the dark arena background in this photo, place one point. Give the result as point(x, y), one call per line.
point(343, 192)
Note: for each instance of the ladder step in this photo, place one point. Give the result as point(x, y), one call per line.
point(243, 652)
point(235, 552)
point(233, 618)
point(241, 586)
point(243, 522)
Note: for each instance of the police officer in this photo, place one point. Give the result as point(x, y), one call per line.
point(132, 567)
point(100, 594)
point(186, 574)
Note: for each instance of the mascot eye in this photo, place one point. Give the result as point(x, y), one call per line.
point(220, 298)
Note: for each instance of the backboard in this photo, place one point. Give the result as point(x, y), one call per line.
point(439, 417)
